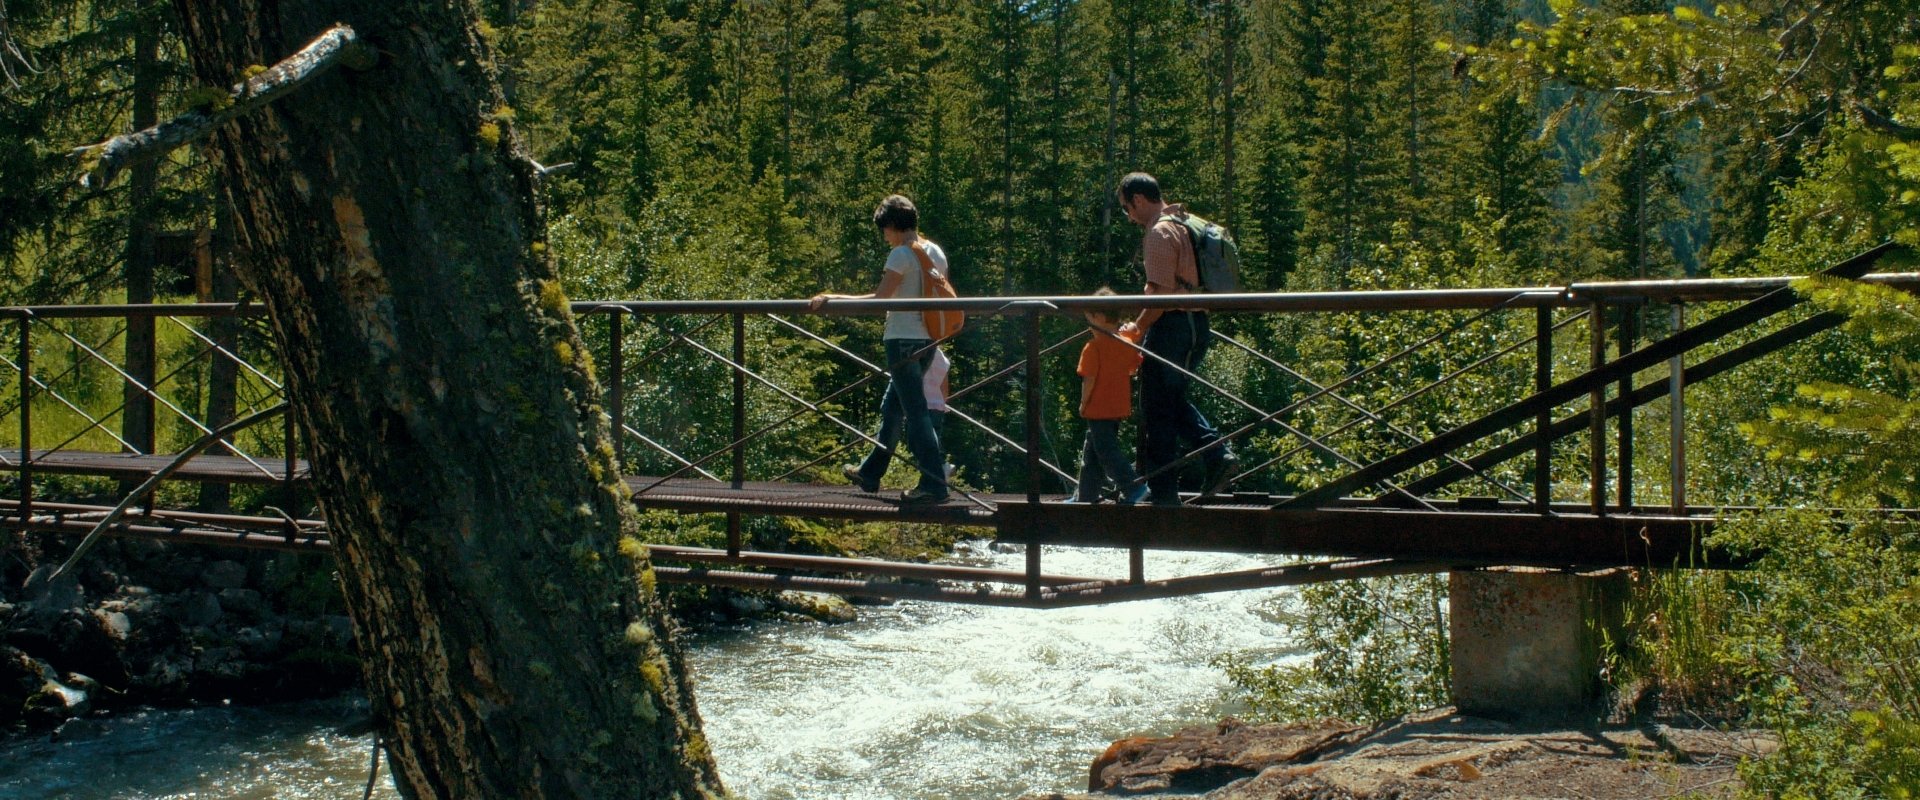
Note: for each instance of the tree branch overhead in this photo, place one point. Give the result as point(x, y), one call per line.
point(338, 46)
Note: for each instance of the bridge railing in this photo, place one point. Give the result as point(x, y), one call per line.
point(1383, 397)
point(1510, 371)
point(80, 388)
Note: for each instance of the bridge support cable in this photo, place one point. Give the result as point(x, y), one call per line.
point(1567, 426)
point(1274, 416)
point(224, 352)
point(1374, 416)
point(1653, 353)
point(616, 379)
point(1032, 390)
point(26, 415)
point(1539, 337)
point(92, 422)
point(149, 392)
point(669, 453)
point(964, 417)
point(739, 426)
point(1263, 418)
point(47, 388)
point(806, 405)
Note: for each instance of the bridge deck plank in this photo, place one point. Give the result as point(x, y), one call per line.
point(135, 466)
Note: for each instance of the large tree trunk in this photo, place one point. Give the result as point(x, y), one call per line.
point(513, 645)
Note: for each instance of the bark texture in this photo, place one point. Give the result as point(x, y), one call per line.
point(512, 641)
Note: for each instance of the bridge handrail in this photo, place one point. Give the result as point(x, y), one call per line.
point(1572, 295)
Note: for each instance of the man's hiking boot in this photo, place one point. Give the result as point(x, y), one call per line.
point(921, 497)
point(1134, 495)
point(853, 474)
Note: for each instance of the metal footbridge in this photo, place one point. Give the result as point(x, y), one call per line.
point(1501, 431)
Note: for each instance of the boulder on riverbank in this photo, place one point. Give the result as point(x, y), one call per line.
point(1429, 755)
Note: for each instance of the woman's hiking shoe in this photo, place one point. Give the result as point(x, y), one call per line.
point(1076, 499)
point(853, 474)
point(1135, 495)
point(921, 497)
point(1220, 473)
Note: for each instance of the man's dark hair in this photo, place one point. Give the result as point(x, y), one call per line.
point(1139, 184)
point(897, 213)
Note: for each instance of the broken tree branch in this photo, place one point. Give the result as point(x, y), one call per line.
point(337, 46)
point(209, 440)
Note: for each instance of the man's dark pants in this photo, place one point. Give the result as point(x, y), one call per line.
point(1167, 416)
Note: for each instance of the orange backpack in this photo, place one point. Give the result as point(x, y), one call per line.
point(933, 284)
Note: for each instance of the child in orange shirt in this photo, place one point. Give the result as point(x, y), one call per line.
point(1107, 364)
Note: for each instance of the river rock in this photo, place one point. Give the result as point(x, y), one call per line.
point(201, 610)
point(258, 643)
point(54, 703)
point(246, 604)
point(1204, 757)
point(831, 609)
point(115, 624)
point(78, 728)
point(1432, 754)
point(339, 629)
point(21, 675)
point(225, 575)
point(46, 597)
point(746, 605)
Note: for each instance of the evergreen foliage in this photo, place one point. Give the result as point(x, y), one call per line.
point(728, 149)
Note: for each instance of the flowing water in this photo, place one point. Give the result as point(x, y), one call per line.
point(915, 700)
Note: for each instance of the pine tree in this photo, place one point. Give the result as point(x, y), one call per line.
point(1346, 181)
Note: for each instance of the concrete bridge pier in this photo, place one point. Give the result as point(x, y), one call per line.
point(1528, 643)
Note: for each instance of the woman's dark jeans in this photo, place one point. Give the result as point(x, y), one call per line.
point(1167, 417)
point(904, 410)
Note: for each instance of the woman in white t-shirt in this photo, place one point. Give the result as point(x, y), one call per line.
point(909, 349)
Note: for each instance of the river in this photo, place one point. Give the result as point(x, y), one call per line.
point(914, 701)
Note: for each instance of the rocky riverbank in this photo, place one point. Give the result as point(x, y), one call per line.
point(142, 623)
point(1429, 755)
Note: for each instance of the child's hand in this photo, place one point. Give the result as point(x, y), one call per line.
point(1130, 328)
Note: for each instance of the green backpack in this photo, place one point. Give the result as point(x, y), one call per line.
point(1215, 257)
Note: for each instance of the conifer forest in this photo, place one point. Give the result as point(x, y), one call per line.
point(732, 149)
